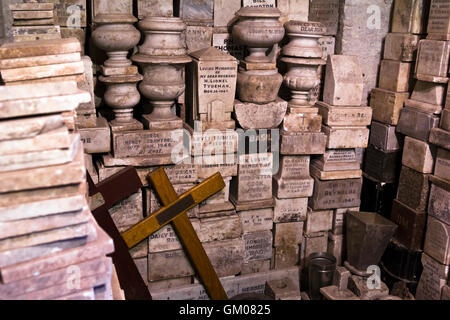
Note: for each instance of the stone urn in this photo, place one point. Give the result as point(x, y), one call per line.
point(258, 29)
point(116, 35)
point(304, 39)
point(162, 57)
point(162, 36)
point(302, 76)
point(368, 235)
point(258, 86)
point(121, 96)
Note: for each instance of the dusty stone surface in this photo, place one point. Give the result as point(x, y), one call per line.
point(413, 189)
point(294, 167)
point(438, 21)
point(317, 242)
point(432, 280)
point(439, 206)
point(290, 210)
point(197, 12)
point(45, 47)
point(411, 225)
point(34, 159)
point(156, 8)
point(97, 139)
point(401, 47)
point(300, 187)
point(198, 37)
point(302, 122)
point(251, 283)
point(345, 116)
point(318, 221)
point(362, 28)
point(432, 58)
point(326, 12)
point(358, 285)
point(410, 16)
point(384, 137)
point(254, 179)
point(293, 10)
point(283, 288)
point(256, 220)
point(336, 194)
point(34, 178)
point(341, 277)
point(442, 166)
point(224, 12)
point(164, 285)
point(418, 155)
point(337, 160)
point(437, 241)
point(258, 245)
point(260, 116)
point(394, 75)
point(346, 137)
point(40, 72)
point(35, 99)
point(285, 256)
point(226, 43)
point(386, 105)
point(440, 138)
point(343, 81)
point(416, 124)
point(335, 174)
point(445, 119)
point(302, 143)
point(256, 266)
point(289, 233)
point(432, 93)
point(334, 293)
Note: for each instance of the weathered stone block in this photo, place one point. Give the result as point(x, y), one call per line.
point(345, 116)
point(384, 137)
point(289, 233)
point(336, 194)
point(290, 210)
point(416, 124)
point(258, 245)
point(318, 221)
point(411, 225)
point(394, 75)
point(256, 220)
point(343, 81)
point(346, 137)
point(410, 16)
point(401, 47)
point(437, 241)
point(387, 105)
point(418, 155)
point(439, 203)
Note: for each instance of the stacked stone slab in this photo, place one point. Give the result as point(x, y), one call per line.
point(327, 13)
point(301, 137)
point(257, 110)
point(337, 174)
point(34, 21)
point(419, 116)
point(50, 247)
point(382, 167)
point(362, 28)
point(432, 69)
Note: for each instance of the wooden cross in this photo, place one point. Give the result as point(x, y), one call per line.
point(103, 196)
point(174, 211)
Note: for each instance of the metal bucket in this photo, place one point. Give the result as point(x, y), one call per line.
point(321, 268)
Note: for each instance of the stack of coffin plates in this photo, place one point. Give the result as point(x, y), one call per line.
point(34, 21)
point(50, 245)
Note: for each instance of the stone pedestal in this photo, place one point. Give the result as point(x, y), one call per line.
point(211, 86)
